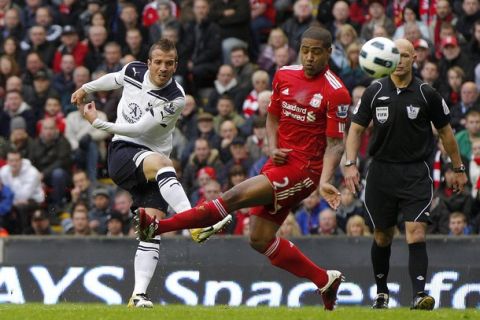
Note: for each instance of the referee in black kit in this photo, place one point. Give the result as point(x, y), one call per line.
point(402, 108)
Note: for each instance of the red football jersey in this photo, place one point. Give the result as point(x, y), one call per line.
point(309, 110)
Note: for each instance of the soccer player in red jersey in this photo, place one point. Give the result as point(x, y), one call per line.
point(305, 128)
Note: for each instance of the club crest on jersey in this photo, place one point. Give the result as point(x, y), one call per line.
point(412, 112)
point(169, 108)
point(316, 100)
point(342, 111)
point(133, 114)
point(382, 114)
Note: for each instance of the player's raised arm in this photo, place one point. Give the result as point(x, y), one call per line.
point(107, 82)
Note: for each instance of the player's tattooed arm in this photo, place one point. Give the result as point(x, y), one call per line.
point(335, 147)
point(331, 160)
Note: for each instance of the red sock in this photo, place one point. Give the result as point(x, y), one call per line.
point(203, 215)
point(283, 254)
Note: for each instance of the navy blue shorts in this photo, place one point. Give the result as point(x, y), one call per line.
point(125, 160)
point(398, 191)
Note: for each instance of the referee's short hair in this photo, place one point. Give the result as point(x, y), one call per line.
point(318, 33)
point(165, 45)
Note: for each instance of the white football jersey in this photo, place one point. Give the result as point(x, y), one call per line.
point(146, 114)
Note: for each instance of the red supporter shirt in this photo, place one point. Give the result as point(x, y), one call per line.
point(309, 110)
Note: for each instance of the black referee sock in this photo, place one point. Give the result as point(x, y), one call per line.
point(381, 265)
point(417, 265)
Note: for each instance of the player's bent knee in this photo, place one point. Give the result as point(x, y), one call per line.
point(259, 244)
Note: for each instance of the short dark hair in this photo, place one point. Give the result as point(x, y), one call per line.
point(163, 44)
point(318, 33)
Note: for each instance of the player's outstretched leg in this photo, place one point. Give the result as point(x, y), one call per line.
point(200, 235)
point(284, 254)
point(201, 216)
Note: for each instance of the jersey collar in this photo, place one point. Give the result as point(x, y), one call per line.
point(320, 74)
point(410, 87)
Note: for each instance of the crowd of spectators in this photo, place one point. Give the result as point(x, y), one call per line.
point(53, 176)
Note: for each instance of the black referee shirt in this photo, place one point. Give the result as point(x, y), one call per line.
point(401, 119)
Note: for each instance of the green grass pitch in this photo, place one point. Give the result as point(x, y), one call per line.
point(67, 311)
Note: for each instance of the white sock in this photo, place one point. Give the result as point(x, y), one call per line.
point(146, 259)
point(171, 190)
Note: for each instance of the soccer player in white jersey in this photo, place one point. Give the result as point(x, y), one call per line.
point(138, 156)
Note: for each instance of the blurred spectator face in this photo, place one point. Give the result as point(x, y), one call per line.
point(277, 38)
point(376, 10)
point(228, 130)
point(451, 52)
point(200, 10)
point(211, 190)
point(281, 58)
point(122, 203)
point(113, 54)
point(40, 225)
point(33, 3)
point(224, 107)
point(412, 31)
point(289, 227)
point(237, 178)
point(422, 54)
point(409, 15)
point(170, 34)
point(49, 130)
point(470, 7)
point(98, 20)
point(12, 18)
point(81, 181)
point(472, 123)
point(443, 8)
point(260, 78)
point(163, 11)
point(6, 66)
point(18, 137)
point(190, 105)
point(38, 35)
point(34, 63)
point(42, 17)
point(263, 101)
point(311, 201)
point(129, 15)
point(67, 64)
point(9, 46)
point(469, 93)
point(14, 83)
point(429, 72)
point(101, 202)
point(327, 221)
point(260, 132)
point(93, 7)
point(202, 150)
point(302, 9)
point(356, 226)
point(14, 160)
point(341, 11)
point(346, 197)
point(41, 85)
point(205, 126)
point(97, 35)
point(114, 227)
point(13, 101)
point(380, 31)
point(134, 38)
point(476, 148)
point(225, 75)
point(80, 219)
point(203, 178)
point(238, 58)
point(70, 39)
point(346, 37)
point(52, 106)
point(81, 75)
point(238, 151)
point(456, 225)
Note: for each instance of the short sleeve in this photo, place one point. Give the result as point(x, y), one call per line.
point(337, 113)
point(362, 112)
point(438, 110)
point(275, 105)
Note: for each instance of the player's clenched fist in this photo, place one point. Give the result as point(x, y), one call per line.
point(78, 97)
point(90, 112)
point(279, 156)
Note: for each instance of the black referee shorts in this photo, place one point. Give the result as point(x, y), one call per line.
point(393, 189)
point(125, 161)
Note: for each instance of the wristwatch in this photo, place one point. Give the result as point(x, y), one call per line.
point(350, 163)
point(460, 169)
